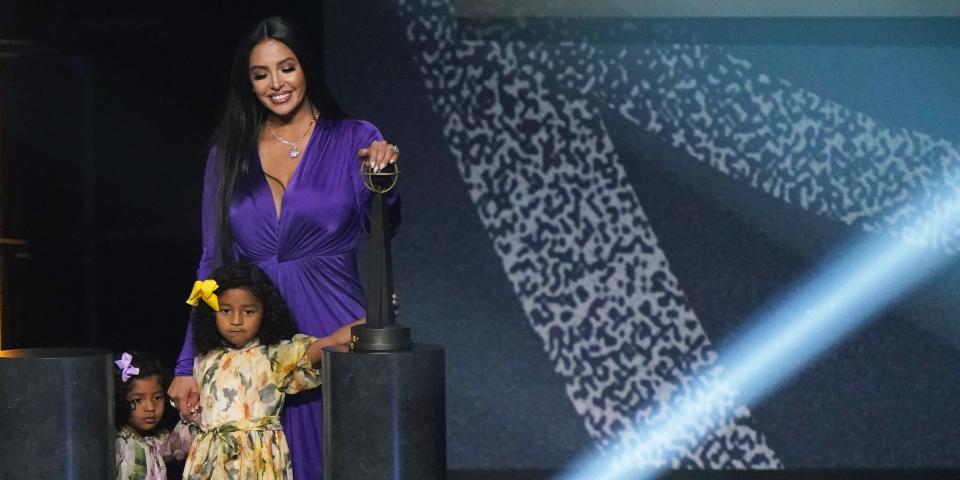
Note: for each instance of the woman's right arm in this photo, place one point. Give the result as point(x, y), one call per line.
point(184, 390)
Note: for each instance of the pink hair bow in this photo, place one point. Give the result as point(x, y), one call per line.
point(126, 369)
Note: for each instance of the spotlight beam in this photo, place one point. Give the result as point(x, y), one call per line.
point(834, 301)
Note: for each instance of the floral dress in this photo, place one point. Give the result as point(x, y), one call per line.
point(241, 395)
point(142, 457)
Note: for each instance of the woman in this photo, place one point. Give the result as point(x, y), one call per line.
point(282, 190)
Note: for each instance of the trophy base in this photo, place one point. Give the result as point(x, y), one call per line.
point(380, 339)
point(384, 414)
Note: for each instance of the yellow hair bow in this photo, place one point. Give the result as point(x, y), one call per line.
point(203, 290)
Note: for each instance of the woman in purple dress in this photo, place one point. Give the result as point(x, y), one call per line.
point(282, 189)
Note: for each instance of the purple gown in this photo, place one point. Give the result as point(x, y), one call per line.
point(309, 252)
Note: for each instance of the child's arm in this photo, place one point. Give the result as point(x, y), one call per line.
point(177, 444)
point(340, 337)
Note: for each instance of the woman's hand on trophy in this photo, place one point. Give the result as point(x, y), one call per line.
point(379, 154)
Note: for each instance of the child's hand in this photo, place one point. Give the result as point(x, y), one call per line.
point(341, 336)
point(192, 419)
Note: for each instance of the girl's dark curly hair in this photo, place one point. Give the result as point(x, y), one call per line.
point(149, 366)
point(277, 324)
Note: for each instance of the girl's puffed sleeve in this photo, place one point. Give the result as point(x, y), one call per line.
point(292, 369)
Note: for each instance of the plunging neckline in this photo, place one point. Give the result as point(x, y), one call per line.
point(278, 206)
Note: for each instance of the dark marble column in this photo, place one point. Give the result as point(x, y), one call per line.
point(56, 414)
point(384, 414)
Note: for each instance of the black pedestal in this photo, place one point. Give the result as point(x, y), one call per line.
point(56, 414)
point(384, 414)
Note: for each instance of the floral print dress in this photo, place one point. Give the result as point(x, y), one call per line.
point(241, 394)
point(142, 457)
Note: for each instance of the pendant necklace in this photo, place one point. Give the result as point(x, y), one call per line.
point(294, 146)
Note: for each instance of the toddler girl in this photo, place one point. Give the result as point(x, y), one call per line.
point(143, 447)
point(249, 358)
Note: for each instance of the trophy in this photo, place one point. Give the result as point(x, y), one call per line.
point(384, 411)
point(381, 332)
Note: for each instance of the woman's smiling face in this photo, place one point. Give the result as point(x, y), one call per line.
point(277, 77)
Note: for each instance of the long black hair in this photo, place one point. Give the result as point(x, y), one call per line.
point(235, 139)
point(149, 366)
point(276, 325)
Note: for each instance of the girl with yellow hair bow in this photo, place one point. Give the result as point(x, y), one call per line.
point(249, 358)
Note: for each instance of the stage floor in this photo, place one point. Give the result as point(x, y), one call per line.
point(798, 474)
point(794, 474)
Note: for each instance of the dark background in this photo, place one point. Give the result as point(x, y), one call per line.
point(106, 112)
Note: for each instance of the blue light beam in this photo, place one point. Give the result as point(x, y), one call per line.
point(832, 302)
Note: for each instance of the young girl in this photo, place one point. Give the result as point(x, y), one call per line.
point(142, 447)
point(249, 358)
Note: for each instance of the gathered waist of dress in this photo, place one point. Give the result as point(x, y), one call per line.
point(270, 422)
point(336, 257)
point(213, 446)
